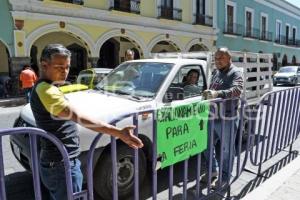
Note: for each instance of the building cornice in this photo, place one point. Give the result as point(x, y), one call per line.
point(282, 6)
point(38, 11)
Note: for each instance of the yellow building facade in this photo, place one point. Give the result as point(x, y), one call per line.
point(98, 32)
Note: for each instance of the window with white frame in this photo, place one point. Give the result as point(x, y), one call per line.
point(264, 26)
point(230, 18)
point(201, 12)
point(249, 14)
point(278, 31)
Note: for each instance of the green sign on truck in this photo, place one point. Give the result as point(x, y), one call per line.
point(182, 132)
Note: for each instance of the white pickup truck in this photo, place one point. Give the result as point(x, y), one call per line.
point(137, 86)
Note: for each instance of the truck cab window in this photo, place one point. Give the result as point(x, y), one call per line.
point(190, 80)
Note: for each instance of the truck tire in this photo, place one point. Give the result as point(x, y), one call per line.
point(274, 83)
point(125, 164)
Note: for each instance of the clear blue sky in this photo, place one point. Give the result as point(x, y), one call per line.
point(295, 2)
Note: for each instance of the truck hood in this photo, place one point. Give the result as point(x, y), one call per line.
point(105, 107)
point(286, 74)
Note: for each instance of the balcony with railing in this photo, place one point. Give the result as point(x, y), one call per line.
point(79, 2)
point(294, 42)
point(266, 36)
point(169, 13)
point(205, 20)
point(233, 29)
point(282, 39)
point(252, 33)
point(131, 6)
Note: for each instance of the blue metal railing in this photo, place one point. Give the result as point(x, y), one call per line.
point(273, 125)
point(33, 133)
point(277, 125)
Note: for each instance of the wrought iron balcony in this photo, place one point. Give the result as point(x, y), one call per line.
point(233, 29)
point(169, 13)
point(132, 6)
point(252, 33)
point(266, 36)
point(79, 2)
point(282, 39)
point(205, 20)
point(294, 42)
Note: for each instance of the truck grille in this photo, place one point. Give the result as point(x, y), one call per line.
point(282, 78)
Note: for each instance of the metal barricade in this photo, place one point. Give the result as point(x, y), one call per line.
point(33, 134)
point(202, 190)
point(273, 126)
point(276, 125)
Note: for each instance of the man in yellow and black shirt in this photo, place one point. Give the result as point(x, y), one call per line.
point(55, 114)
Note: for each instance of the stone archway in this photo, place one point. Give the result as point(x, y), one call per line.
point(165, 46)
point(294, 60)
point(125, 39)
point(68, 29)
point(198, 47)
point(112, 51)
point(284, 60)
point(275, 62)
point(5, 72)
point(74, 44)
point(4, 57)
point(109, 54)
point(78, 60)
point(165, 43)
point(199, 44)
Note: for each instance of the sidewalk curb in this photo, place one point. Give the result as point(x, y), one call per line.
point(273, 183)
point(12, 102)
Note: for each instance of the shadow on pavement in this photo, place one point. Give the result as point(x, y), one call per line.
point(19, 186)
point(268, 173)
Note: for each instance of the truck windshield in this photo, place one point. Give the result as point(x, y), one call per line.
point(137, 79)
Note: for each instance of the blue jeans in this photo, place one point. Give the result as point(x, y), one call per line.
point(227, 167)
point(27, 92)
point(53, 177)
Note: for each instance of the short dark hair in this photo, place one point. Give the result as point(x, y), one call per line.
point(54, 49)
point(193, 71)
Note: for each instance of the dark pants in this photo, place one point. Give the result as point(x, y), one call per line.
point(227, 155)
point(53, 177)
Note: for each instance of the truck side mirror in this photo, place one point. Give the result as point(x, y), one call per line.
point(173, 94)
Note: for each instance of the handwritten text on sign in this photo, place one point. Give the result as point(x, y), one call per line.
point(181, 132)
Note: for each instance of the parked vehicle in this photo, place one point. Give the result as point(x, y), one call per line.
point(137, 86)
point(287, 75)
point(86, 79)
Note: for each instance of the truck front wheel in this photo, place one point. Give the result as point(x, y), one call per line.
point(125, 172)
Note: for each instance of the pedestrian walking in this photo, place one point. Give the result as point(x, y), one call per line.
point(55, 114)
point(27, 80)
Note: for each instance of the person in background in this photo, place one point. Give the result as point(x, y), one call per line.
point(55, 114)
point(129, 55)
point(227, 83)
point(27, 80)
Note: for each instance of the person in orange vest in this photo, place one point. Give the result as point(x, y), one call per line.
point(27, 78)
